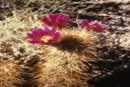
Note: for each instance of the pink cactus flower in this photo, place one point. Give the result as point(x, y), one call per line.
point(57, 20)
point(94, 25)
point(43, 36)
point(84, 23)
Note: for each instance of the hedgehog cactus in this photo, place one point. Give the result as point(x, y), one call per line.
point(65, 62)
point(10, 73)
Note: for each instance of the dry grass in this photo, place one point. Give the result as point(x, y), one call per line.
point(26, 6)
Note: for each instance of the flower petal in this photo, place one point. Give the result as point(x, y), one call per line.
point(93, 25)
point(57, 20)
point(43, 36)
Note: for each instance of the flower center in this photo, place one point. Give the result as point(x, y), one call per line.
point(46, 38)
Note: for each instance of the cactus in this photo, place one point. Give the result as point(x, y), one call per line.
point(10, 73)
point(66, 62)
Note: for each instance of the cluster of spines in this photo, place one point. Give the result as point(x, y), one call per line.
point(65, 65)
point(11, 73)
point(62, 64)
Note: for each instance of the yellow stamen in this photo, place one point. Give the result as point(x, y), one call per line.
point(46, 38)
